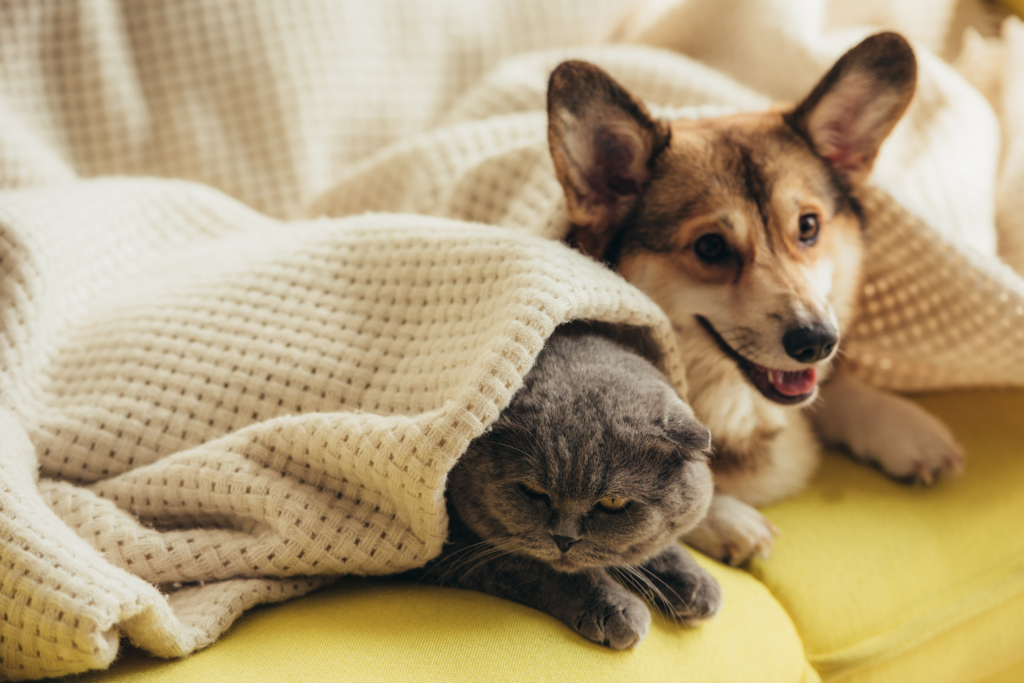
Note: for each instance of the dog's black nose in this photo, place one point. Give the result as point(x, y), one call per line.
point(564, 542)
point(810, 343)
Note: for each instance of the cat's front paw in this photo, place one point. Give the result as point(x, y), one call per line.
point(733, 532)
point(615, 618)
point(684, 589)
point(693, 603)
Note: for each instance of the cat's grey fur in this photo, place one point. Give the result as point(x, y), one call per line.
point(593, 419)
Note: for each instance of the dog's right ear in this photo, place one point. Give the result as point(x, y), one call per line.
point(858, 103)
point(603, 144)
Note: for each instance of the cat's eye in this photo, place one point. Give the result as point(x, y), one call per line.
point(810, 226)
point(711, 248)
point(532, 491)
point(613, 504)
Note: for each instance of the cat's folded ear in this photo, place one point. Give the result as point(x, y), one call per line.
point(684, 430)
point(603, 143)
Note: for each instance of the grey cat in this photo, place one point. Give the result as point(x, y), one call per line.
point(589, 475)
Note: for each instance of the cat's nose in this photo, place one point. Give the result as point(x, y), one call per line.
point(564, 542)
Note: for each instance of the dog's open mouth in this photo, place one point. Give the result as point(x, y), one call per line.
point(782, 386)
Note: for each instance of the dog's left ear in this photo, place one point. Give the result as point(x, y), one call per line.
point(603, 144)
point(858, 103)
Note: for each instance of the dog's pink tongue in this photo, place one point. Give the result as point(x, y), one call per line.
point(794, 383)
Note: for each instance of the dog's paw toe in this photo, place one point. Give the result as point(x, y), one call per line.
point(754, 536)
point(915, 448)
point(734, 533)
point(924, 466)
point(897, 435)
point(953, 464)
point(757, 541)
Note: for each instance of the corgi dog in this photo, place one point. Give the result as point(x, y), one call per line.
point(746, 229)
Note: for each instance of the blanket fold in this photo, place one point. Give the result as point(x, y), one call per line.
point(250, 402)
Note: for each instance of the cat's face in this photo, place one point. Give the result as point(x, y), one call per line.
point(587, 469)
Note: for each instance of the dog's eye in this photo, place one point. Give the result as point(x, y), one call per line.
point(809, 227)
point(711, 248)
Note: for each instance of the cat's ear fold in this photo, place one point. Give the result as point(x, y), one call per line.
point(603, 143)
point(858, 103)
point(684, 430)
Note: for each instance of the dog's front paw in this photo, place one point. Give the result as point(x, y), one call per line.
point(687, 592)
point(903, 439)
point(615, 618)
point(913, 446)
point(733, 532)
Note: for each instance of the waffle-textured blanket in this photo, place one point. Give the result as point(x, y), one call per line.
point(210, 399)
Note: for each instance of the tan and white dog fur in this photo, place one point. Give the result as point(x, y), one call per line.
point(747, 231)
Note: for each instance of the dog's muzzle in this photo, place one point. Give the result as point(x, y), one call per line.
point(787, 387)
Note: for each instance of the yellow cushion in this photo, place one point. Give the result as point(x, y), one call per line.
point(890, 583)
point(389, 630)
point(1014, 674)
point(884, 583)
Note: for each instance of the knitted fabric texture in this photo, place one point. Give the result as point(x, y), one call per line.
point(207, 403)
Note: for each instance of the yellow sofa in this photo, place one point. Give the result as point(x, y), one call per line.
point(870, 581)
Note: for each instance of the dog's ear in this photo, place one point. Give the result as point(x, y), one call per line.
point(858, 103)
point(603, 144)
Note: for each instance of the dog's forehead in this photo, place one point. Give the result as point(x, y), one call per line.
point(736, 163)
point(732, 146)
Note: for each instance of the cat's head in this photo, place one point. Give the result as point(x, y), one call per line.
point(596, 462)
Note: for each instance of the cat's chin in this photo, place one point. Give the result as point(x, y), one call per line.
point(562, 563)
point(571, 565)
point(568, 566)
point(580, 559)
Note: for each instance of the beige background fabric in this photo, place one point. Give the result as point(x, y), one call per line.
point(212, 397)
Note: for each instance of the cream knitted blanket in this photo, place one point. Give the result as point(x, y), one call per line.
point(206, 403)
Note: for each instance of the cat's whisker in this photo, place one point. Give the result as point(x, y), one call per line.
point(666, 584)
point(478, 556)
point(648, 588)
point(626, 576)
point(641, 586)
point(662, 581)
point(447, 558)
point(645, 575)
point(492, 555)
point(456, 575)
point(463, 556)
point(623, 577)
point(505, 445)
point(460, 551)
